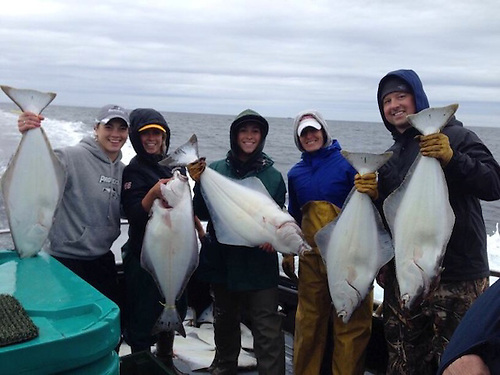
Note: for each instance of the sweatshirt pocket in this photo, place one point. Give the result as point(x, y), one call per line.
point(94, 241)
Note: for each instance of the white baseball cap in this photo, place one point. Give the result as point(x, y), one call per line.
point(308, 121)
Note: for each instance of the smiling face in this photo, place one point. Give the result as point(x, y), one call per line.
point(152, 140)
point(397, 105)
point(311, 139)
point(248, 139)
point(112, 136)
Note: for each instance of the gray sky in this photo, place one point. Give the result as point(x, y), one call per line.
point(277, 57)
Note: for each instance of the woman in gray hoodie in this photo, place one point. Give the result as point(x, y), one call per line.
point(87, 220)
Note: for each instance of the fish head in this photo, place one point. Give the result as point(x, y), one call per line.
point(290, 239)
point(175, 189)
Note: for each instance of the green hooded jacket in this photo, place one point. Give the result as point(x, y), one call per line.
point(239, 267)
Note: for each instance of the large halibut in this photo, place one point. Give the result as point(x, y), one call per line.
point(420, 216)
point(33, 183)
point(242, 211)
point(355, 245)
point(170, 248)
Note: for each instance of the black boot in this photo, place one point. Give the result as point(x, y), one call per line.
point(165, 351)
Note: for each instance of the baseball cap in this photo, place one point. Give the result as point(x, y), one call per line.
point(152, 126)
point(306, 122)
point(394, 84)
point(111, 111)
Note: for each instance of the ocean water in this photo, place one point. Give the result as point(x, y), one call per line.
point(66, 125)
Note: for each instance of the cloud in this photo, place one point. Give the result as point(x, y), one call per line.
point(279, 57)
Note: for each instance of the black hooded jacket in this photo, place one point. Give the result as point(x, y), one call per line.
point(471, 175)
point(142, 173)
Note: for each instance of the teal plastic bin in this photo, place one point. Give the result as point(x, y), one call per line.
point(78, 326)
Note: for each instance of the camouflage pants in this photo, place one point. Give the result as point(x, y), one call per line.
point(416, 339)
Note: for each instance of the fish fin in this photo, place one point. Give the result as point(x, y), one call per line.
point(183, 155)
point(323, 236)
point(385, 240)
point(253, 183)
point(365, 162)
point(432, 120)
point(392, 202)
point(29, 100)
point(169, 321)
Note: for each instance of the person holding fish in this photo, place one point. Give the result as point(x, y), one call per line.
point(244, 280)
point(142, 181)
point(87, 221)
point(318, 186)
point(418, 334)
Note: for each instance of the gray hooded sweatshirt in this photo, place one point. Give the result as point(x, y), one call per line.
point(87, 221)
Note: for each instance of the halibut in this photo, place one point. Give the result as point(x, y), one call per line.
point(170, 248)
point(420, 216)
point(33, 184)
point(242, 211)
point(355, 245)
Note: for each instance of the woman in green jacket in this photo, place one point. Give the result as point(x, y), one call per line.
point(244, 280)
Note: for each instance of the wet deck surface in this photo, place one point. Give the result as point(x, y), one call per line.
point(184, 367)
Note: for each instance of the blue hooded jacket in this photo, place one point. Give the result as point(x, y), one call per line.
point(472, 174)
point(323, 175)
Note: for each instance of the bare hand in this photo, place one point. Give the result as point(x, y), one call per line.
point(382, 276)
point(470, 364)
point(288, 265)
point(154, 193)
point(267, 247)
point(28, 121)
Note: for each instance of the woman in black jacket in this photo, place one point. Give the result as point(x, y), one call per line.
point(150, 137)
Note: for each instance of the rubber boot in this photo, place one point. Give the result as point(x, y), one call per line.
point(165, 351)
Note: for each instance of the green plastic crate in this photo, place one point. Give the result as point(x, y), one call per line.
point(78, 326)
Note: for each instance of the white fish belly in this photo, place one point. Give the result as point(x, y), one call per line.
point(422, 228)
point(245, 217)
point(353, 255)
point(32, 187)
point(170, 250)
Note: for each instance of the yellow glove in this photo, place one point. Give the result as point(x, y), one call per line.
point(288, 265)
point(196, 168)
point(367, 184)
point(437, 146)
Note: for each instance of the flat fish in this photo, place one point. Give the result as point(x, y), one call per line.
point(244, 214)
point(355, 245)
point(33, 184)
point(420, 216)
point(242, 211)
point(170, 248)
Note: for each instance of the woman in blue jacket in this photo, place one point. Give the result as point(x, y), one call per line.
point(318, 186)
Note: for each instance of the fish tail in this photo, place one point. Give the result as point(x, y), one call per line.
point(168, 321)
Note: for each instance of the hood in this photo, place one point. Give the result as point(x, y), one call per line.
point(320, 119)
point(248, 115)
point(90, 144)
point(145, 116)
point(413, 80)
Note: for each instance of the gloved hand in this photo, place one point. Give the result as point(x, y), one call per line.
point(288, 265)
point(367, 184)
point(196, 168)
point(437, 146)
